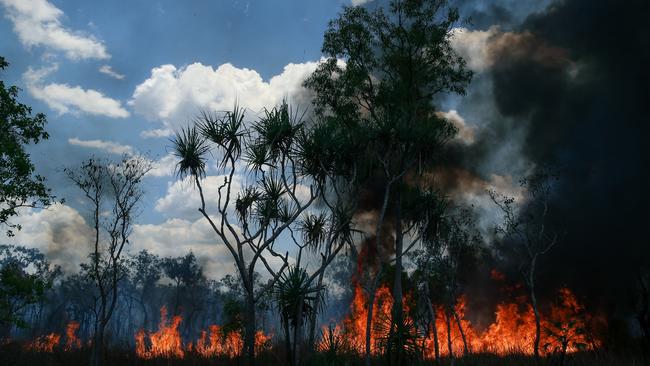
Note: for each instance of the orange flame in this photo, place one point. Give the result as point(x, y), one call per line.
point(44, 343)
point(71, 340)
point(513, 330)
point(48, 342)
point(167, 342)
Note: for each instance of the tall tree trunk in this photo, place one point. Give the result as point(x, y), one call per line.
point(287, 341)
point(462, 334)
point(314, 319)
point(398, 316)
point(297, 334)
point(97, 355)
point(432, 313)
point(449, 346)
point(371, 304)
point(533, 303)
point(436, 342)
point(249, 332)
point(375, 282)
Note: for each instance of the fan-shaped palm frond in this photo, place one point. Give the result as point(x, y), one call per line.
point(257, 156)
point(313, 229)
point(277, 130)
point(190, 148)
point(225, 131)
point(295, 296)
point(245, 202)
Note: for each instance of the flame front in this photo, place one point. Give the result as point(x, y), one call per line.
point(513, 330)
point(51, 341)
point(167, 341)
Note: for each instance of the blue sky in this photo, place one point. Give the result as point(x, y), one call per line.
point(139, 35)
point(117, 77)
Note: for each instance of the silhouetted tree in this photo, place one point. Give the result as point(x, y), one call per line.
point(251, 220)
point(526, 234)
point(25, 276)
point(146, 271)
point(19, 185)
point(114, 191)
point(382, 72)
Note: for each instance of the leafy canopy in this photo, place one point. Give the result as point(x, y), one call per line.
point(19, 185)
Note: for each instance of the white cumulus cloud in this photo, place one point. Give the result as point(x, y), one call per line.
point(64, 98)
point(108, 70)
point(157, 133)
point(164, 167)
point(175, 95)
point(38, 23)
point(108, 146)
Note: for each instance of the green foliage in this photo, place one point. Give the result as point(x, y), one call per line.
point(190, 148)
point(294, 296)
point(25, 276)
point(19, 185)
point(382, 72)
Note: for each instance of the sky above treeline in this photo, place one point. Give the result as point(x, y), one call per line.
point(119, 77)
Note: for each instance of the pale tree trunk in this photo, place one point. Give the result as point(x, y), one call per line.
point(432, 313)
point(533, 303)
point(398, 316)
point(452, 360)
point(462, 334)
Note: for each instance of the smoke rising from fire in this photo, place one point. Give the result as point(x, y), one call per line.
point(566, 88)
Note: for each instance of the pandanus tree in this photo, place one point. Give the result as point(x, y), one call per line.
point(382, 71)
point(285, 168)
point(295, 297)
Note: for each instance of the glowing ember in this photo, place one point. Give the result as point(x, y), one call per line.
point(45, 343)
point(167, 342)
point(513, 330)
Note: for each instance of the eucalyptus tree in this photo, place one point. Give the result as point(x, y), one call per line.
point(114, 191)
point(25, 276)
point(286, 175)
point(383, 70)
point(454, 246)
point(146, 271)
point(526, 232)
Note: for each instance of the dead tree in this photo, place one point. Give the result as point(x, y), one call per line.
point(114, 191)
point(525, 233)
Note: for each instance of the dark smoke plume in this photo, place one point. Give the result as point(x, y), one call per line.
point(571, 85)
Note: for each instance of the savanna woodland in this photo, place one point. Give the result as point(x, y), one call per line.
point(374, 182)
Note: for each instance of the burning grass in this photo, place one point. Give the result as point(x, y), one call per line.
point(506, 341)
point(566, 329)
point(168, 343)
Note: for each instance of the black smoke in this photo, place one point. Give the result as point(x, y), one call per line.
point(575, 79)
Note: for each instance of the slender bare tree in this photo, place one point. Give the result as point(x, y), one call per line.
point(526, 234)
point(114, 191)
